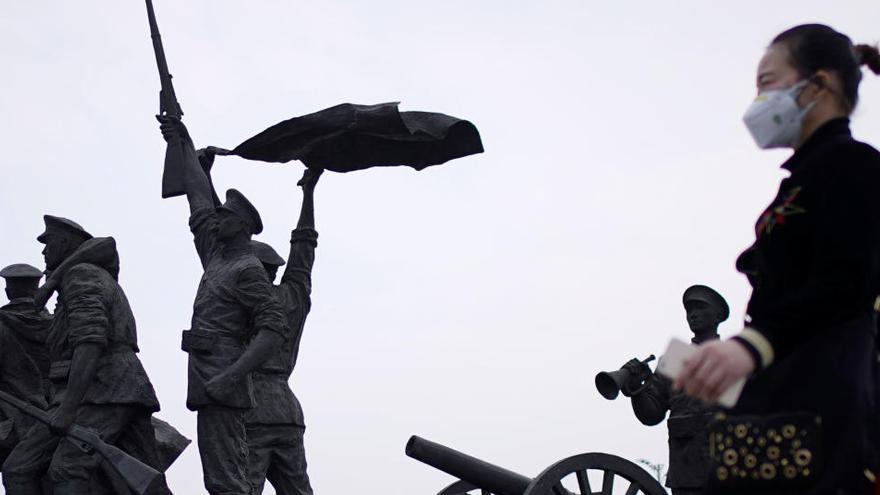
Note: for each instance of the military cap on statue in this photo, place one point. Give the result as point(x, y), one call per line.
point(63, 227)
point(266, 254)
point(21, 271)
point(708, 296)
point(21, 276)
point(239, 205)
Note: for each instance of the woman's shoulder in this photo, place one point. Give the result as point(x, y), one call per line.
point(856, 146)
point(850, 157)
point(859, 151)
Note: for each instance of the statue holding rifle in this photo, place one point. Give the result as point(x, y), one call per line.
point(99, 389)
point(244, 329)
point(237, 322)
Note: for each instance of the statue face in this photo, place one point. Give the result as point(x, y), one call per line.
point(229, 225)
point(701, 316)
point(55, 251)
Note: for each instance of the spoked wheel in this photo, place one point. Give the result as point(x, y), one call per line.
point(618, 474)
point(463, 488)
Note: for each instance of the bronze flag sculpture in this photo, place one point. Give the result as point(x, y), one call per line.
point(349, 137)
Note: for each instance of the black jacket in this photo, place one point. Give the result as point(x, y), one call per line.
point(815, 262)
point(815, 272)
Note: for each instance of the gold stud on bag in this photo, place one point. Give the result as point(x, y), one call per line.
point(770, 451)
point(750, 461)
point(802, 457)
point(730, 457)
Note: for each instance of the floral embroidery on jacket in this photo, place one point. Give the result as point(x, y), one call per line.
point(777, 215)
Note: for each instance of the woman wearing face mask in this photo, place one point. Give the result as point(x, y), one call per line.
point(808, 342)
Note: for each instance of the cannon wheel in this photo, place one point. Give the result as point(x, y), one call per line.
point(613, 468)
point(462, 488)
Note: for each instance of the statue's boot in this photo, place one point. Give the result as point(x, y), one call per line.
point(22, 487)
point(76, 487)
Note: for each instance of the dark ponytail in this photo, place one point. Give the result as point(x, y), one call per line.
point(814, 47)
point(869, 56)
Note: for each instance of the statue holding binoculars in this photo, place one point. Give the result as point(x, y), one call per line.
point(652, 396)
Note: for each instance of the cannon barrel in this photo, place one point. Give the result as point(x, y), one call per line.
point(475, 471)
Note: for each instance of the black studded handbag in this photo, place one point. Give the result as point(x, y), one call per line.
point(775, 451)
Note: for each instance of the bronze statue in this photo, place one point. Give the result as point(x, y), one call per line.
point(275, 427)
point(28, 322)
point(24, 360)
point(97, 380)
point(688, 417)
point(237, 321)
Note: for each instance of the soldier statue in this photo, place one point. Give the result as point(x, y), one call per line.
point(275, 427)
point(97, 380)
point(237, 322)
point(28, 322)
point(24, 360)
point(688, 417)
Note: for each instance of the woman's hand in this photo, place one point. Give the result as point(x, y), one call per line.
point(713, 369)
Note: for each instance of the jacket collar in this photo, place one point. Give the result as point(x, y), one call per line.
point(834, 128)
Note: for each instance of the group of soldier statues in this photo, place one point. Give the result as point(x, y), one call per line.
point(77, 369)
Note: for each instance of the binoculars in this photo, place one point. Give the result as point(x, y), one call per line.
point(611, 383)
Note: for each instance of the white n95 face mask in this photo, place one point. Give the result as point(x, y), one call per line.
point(775, 119)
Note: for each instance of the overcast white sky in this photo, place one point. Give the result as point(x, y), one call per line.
point(470, 303)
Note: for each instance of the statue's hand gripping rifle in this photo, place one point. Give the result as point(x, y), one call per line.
point(137, 475)
point(172, 177)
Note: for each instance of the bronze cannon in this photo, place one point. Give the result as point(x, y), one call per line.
point(566, 477)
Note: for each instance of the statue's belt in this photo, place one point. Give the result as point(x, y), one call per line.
point(204, 341)
point(59, 370)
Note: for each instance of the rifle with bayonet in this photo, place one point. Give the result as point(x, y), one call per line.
point(137, 475)
point(172, 177)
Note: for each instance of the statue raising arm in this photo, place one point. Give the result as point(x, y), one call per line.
point(304, 238)
point(199, 191)
point(198, 188)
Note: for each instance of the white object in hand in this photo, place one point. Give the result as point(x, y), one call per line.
point(672, 363)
